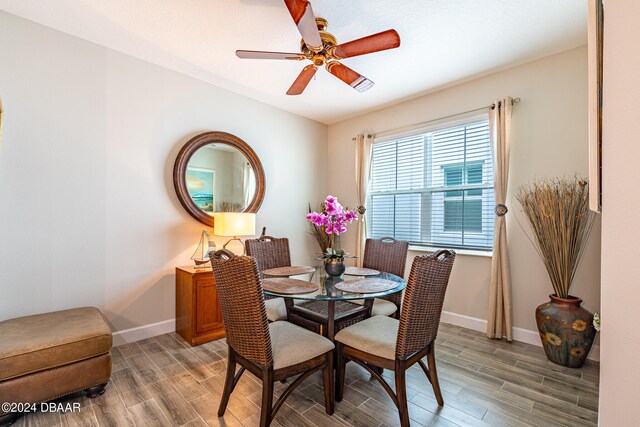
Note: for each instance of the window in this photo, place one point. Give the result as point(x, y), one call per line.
point(458, 203)
point(434, 187)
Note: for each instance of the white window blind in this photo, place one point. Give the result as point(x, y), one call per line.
point(435, 188)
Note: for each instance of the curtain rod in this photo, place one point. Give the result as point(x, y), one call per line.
point(492, 106)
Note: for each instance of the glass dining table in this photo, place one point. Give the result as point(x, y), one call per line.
point(327, 307)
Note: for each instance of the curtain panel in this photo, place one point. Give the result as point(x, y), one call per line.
point(363, 176)
point(499, 320)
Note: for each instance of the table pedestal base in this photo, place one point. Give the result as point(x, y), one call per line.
point(327, 317)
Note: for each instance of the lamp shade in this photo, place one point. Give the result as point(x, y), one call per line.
point(234, 224)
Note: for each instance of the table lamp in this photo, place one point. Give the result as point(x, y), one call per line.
point(234, 224)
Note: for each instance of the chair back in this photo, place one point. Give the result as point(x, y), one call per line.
point(423, 301)
point(386, 254)
point(242, 304)
point(269, 252)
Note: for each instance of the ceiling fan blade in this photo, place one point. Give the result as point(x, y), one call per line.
point(389, 39)
point(303, 16)
point(350, 77)
point(302, 80)
point(256, 54)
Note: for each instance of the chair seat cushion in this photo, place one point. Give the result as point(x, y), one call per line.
point(43, 341)
point(375, 335)
point(292, 344)
point(276, 310)
point(381, 307)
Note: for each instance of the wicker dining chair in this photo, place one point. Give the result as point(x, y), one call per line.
point(388, 343)
point(271, 252)
point(388, 255)
point(270, 351)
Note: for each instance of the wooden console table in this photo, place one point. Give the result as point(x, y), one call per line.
point(198, 314)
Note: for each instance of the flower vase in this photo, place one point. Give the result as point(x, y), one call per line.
point(566, 330)
point(334, 266)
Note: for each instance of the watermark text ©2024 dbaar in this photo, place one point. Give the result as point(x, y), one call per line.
point(8, 407)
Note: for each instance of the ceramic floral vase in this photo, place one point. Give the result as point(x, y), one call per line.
point(566, 330)
point(334, 266)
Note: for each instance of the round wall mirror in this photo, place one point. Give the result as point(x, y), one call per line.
point(218, 172)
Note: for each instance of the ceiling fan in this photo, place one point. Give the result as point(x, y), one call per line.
point(322, 48)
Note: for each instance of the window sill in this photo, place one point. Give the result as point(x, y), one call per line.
point(468, 252)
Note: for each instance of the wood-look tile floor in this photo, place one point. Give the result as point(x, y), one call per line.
point(161, 381)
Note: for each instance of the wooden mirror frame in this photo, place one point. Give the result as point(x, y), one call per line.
point(193, 145)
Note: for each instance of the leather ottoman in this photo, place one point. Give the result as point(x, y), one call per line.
point(49, 355)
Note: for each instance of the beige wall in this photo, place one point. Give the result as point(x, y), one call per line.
point(88, 214)
point(549, 139)
point(620, 347)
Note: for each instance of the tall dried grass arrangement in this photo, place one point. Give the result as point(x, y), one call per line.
point(560, 220)
point(231, 207)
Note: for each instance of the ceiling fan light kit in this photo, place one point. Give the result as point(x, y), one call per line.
point(322, 49)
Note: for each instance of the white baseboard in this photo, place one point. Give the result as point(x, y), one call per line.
point(519, 334)
point(143, 332)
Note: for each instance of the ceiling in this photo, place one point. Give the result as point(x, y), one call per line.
point(444, 42)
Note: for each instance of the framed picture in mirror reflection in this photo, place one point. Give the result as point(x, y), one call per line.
point(201, 184)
